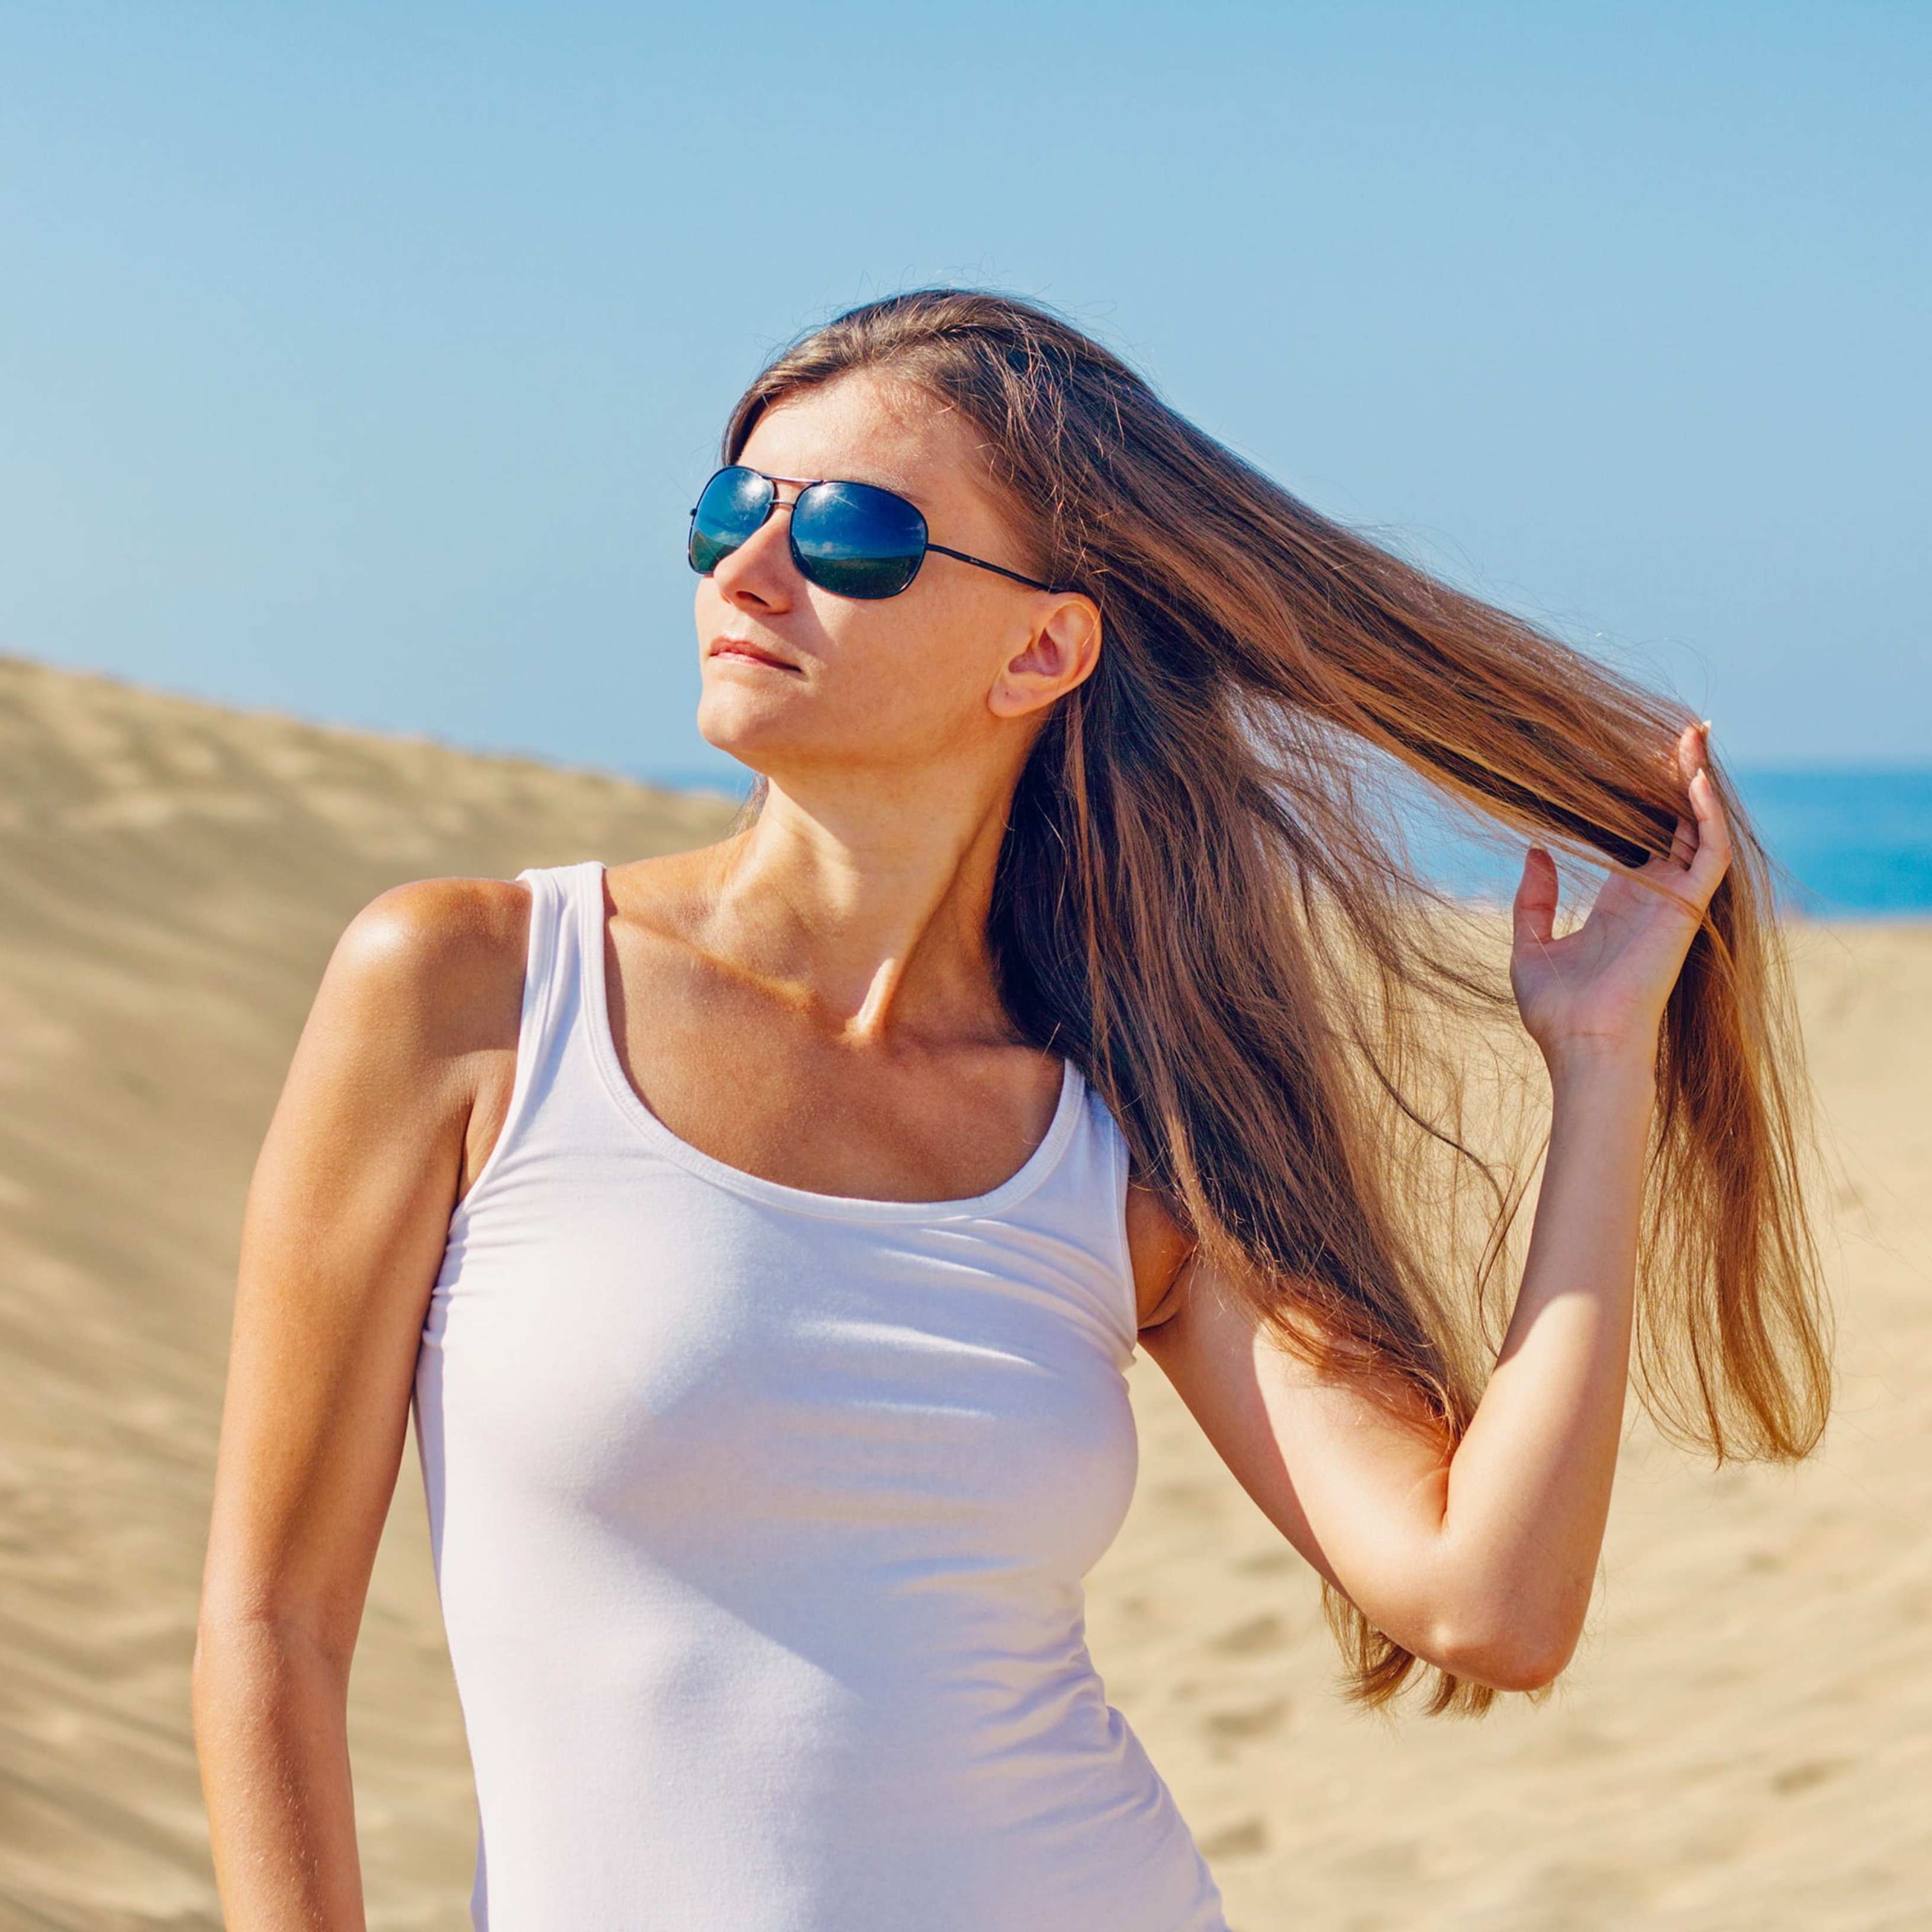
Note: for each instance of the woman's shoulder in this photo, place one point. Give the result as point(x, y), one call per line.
point(439, 961)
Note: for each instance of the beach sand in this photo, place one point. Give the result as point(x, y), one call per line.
point(1745, 1741)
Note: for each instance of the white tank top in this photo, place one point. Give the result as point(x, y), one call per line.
point(761, 1517)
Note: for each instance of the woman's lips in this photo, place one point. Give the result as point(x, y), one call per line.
point(751, 653)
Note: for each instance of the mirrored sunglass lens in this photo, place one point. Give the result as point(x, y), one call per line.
point(735, 503)
point(857, 541)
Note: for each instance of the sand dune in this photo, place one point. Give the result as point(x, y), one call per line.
point(1746, 1743)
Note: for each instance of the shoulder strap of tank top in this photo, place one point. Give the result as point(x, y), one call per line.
point(579, 951)
point(569, 900)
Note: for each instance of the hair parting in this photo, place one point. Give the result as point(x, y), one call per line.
point(1204, 899)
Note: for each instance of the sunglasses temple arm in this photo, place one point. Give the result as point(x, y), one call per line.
point(998, 569)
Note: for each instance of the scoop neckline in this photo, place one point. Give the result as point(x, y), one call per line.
point(1031, 1172)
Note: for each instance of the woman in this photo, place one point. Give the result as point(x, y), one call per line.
point(763, 1231)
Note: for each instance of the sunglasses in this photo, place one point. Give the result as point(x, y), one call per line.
point(853, 539)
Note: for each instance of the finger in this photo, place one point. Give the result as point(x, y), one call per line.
point(1693, 754)
point(1533, 917)
point(1694, 751)
point(1713, 858)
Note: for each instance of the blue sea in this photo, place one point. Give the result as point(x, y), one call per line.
point(1848, 844)
point(1844, 844)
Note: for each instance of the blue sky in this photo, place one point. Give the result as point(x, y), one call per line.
point(361, 360)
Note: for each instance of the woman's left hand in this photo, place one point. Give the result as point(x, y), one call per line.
point(1601, 990)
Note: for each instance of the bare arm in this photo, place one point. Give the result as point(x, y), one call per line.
point(1481, 1562)
point(398, 1083)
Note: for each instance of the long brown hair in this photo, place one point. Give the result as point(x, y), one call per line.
point(1205, 901)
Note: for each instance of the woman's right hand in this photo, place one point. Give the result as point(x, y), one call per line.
point(405, 1062)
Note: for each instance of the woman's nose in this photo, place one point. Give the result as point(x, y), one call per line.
point(759, 573)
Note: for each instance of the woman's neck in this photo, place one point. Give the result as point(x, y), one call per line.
point(870, 899)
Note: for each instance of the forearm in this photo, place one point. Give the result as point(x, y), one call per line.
point(271, 1732)
point(1527, 1493)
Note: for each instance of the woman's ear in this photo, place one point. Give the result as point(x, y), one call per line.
point(1060, 653)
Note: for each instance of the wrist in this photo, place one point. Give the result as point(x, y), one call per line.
point(1621, 1065)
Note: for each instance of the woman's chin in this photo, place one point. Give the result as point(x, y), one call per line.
point(737, 724)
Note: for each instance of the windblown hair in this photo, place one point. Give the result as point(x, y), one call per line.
point(1205, 901)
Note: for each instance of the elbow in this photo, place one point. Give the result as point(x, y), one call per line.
point(1525, 1667)
point(257, 1654)
point(1520, 1653)
point(230, 1655)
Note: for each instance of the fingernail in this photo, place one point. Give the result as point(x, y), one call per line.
point(1705, 727)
